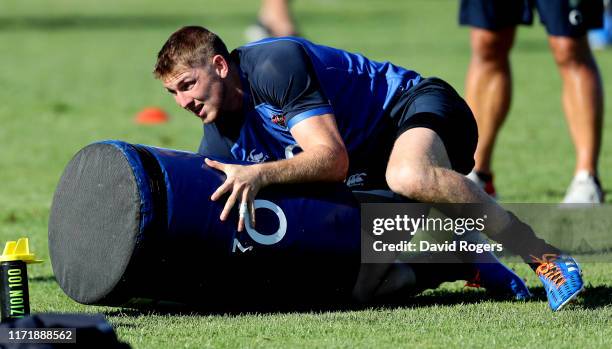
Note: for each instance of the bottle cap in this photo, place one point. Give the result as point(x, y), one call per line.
point(18, 251)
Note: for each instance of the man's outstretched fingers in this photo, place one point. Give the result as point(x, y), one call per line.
point(248, 206)
point(227, 185)
point(231, 201)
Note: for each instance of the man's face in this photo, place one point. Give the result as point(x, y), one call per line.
point(199, 90)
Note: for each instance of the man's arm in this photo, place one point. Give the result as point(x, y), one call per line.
point(324, 158)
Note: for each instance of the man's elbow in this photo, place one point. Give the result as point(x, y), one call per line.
point(340, 164)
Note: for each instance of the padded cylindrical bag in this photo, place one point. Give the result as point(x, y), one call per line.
point(133, 224)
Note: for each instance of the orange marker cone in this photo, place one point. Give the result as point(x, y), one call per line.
point(151, 116)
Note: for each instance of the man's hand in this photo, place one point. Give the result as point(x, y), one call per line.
point(324, 159)
point(243, 183)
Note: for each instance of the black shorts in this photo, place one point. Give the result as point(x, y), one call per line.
point(571, 18)
point(432, 104)
point(435, 105)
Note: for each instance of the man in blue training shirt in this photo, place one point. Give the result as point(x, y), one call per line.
point(309, 113)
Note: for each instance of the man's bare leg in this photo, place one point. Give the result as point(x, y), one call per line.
point(582, 97)
point(276, 16)
point(419, 168)
point(488, 88)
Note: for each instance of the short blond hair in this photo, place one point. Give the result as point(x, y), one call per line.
point(188, 47)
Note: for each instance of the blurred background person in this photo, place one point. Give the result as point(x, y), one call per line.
point(274, 20)
point(602, 38)
point(489, 83)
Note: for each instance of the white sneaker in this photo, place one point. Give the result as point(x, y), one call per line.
point(584, 189)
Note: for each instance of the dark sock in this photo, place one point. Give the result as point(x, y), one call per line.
point(485, 177)
point(520, 239)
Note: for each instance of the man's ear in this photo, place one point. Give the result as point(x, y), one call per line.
point(220, 65)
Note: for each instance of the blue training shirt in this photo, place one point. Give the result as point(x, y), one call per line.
point(287, 80)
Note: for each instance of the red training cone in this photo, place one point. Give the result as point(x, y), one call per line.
point(151, 116)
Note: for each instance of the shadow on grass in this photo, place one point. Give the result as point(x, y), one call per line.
point(216, 310)
point(446, 298)
point(45, 278)
point(591, 298)
point(125, 325)
point(596, 297)
point(427, 299)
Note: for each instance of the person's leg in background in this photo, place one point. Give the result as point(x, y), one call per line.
point(276, 16)
point(583, 105)
point(488, 92)
point(488, 85)
point(274, 20)
point(582, 93)
point(602, 38)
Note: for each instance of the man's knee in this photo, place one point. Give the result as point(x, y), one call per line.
point(408, 181)
point(570, 51)
point(413, 166)
point(491, 46)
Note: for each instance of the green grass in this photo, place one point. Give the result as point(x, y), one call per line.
point(74, 72)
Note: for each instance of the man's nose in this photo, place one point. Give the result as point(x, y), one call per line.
point(183, 100)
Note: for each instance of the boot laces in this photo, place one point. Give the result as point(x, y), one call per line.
point(549, 270)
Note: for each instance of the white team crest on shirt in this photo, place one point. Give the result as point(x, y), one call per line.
point(356, 180)
point(257, 157)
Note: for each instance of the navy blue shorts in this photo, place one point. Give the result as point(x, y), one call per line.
point(432, 104)
point(571, 18)
point(435, 105)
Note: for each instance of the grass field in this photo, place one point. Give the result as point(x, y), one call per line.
point(74, 72)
